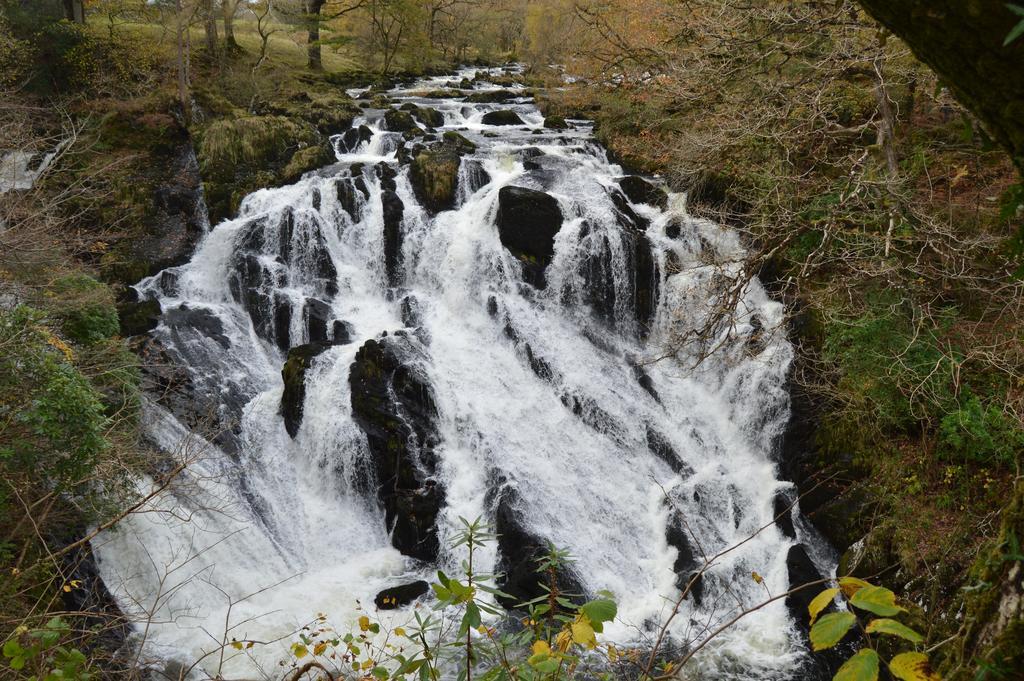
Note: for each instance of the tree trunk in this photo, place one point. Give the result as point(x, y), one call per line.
point(182, 61)
point(228, 10)
point(963, 43)
point(74, 11)
point(210, 26)
point(313, 57)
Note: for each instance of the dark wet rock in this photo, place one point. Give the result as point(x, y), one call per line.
point(627, 217)
point(393, 212)
point(341, 333)
point(399, 596)
point(408, 106)
point(688, 562)
point(502, 117)
point(434, 176)
point(801, 571)
point(387, 176)
point(412, 315)
point(674, 229)
point(644, 379)
point(293, 373)
point(282, 312)
point(492, 306)
point(528, 221)
point(783, 514)
point(169, 282)
point(555, 123)
point(348, 191)
point(138, 317)
point(198, 319)
point(640, 190)
point(475, 176)
point(399, 121)
point(352, 138)
point(586, 409)
point(315, 198)
point(432, 118)
point(393, 403)
point(518, 552)
point(458, 143)
point(537, 364)
point(663, 449)
point(316, 315)
point(492, 96)
point(646, 282)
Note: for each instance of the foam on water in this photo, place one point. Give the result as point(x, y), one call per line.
point(275, 529)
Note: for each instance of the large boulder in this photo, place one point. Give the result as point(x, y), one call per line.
point(458, 143)
point(502, 117)
point(399, 121)
point(393, 403)
point(519, 549)
point(492, 96)
point(353, 137)
point(688, 563)
point(394, 209)
point(395, 597)
point(640, 190)
point(293, 373)
point(434, 176)
point(432, 118)
point(555, 123)
point(528, 221)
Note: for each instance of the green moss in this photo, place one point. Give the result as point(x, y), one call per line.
point(305, 160)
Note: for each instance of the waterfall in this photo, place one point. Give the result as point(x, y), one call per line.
point(518, 387)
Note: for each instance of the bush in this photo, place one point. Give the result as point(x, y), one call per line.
point(51, 419)
point(976, 432)
point(86, 308)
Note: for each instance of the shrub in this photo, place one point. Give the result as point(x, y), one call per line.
point(976, 432)
point(86, 308)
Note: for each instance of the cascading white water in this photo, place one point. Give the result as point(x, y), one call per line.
point(534, 391)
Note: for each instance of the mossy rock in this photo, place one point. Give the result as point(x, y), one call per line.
point(502, 117)
point(458, 143)
point(397, 120)
point(305, 160)
point(432, 118)
point(434, 176)
point(555, 123)
point(138, 317)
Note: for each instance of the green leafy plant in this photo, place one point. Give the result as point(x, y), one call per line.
point(39, 655)
point(866, 600)
point(1018, 30)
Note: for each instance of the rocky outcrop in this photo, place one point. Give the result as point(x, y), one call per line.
point(397, 120)
point(348, 191)
point(293, 373)
point(687, 565)
point(393, 403)
point(352, 138)
point(502, 117)
point(555, 123)
point(518, 553)
point(434, 176)
point(394, 209)
point(399, 596)
point(640, 190)
point(528, 221)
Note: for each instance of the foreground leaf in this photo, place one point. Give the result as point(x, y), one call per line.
point(893, 628)
point(851, 585)
point(831, 629)
point(912, 667)
point(876, 599)
point(599, 611)
point(821, 601)
point(583, 634)
point(861, 667)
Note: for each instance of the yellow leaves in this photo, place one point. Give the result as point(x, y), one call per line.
point(861, 667)
point(319, 648)
point(851, 585)
point(60, 345)
point(399, 631)
point(540, 647)
point(912, 667)
point(893, 628)
point(73, 584)
point(367, 663)
point(876, 599)
point(820, 602)
point(613, 653)
point(583, 634)
point(237, 645)
point(757, 578)
point(299, 650)
point(831, 629)
point(364, 623)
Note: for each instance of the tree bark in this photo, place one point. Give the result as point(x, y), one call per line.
point(963, 43)
point(313, 56)
point(74, 10)
point(228, 10)
point(210, 26)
